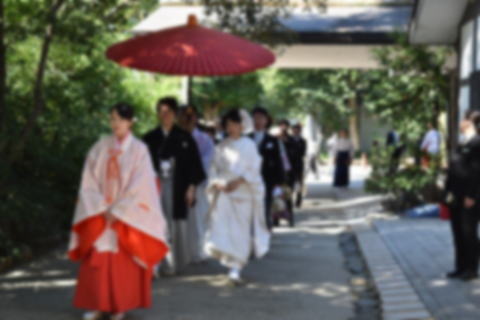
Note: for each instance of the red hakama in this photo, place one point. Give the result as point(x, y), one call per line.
point(112, 282)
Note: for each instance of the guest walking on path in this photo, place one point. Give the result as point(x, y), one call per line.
point(197, 217)
point(288, 151)
point(177, 161)
point(272, 171)
point(118, 232)
point(343, 152)
point(237, 221)
point(298, 162)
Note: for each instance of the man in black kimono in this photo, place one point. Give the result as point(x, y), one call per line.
point(177, 161)
point(299, 144)
point(273, 173)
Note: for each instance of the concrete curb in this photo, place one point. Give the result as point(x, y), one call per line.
point(399, 300)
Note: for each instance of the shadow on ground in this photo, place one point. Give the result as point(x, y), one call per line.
point(302, 278)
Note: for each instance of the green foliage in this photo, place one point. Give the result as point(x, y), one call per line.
point(409, 185)
point(213, 95)
point(415, 90)
point(325, 94)
point(38, 191)
point(413, 94)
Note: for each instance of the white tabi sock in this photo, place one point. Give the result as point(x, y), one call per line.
point(234, 274)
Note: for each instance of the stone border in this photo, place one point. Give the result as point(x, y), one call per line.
point(399, 300)
point(365, 297)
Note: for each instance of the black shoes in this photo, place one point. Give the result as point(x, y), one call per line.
point(469, 275)
point(465, 276)
point(454, 274)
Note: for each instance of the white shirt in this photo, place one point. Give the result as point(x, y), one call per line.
point(432, 141)
point(342, 145)
point(258, 136)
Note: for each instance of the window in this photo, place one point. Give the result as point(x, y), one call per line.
point(477, 45)
point(466, 66)
point(463, 102)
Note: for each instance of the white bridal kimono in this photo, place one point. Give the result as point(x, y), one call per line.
point(237, 219)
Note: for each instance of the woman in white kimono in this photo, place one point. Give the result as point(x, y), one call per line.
point(237, 219)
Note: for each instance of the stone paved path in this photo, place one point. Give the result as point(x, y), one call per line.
point(423, 249)
point(302, 278)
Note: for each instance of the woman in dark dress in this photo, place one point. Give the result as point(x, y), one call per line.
point(343, 152)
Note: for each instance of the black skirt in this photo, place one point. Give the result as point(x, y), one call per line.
point(342, 169)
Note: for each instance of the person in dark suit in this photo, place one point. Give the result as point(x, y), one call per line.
point(177, 162)
point(463, 199)
point(298, 161)
point(290, 150)
point(272, 168)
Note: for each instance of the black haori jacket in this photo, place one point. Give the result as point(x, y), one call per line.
point(180, 146)
point(272, 166)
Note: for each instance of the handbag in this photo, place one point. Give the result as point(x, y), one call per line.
point(445, 213)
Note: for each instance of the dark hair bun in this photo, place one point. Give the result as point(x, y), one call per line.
point(124, 110)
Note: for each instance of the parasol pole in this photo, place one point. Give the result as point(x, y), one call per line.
point(189, 90)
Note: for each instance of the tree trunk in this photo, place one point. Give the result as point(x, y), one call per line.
point(38, 99)
point(3, 69)
point(353, 122)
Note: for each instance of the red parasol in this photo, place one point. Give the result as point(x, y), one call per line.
point(191, 50)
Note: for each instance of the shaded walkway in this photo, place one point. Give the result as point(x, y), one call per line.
point(301, 278)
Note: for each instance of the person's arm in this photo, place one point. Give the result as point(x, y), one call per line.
point(194, 167)
point(304, 148)
point(283, 163)
point(196, 173)
point(247, 169)
point(472, 194)
point(149, 140)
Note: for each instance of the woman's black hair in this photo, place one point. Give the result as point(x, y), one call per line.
point(232, 115)
point(124, 110)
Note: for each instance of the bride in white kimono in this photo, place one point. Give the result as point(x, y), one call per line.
point(237, 218)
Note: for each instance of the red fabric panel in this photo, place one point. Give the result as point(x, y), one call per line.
point(88, 231)
point(138, 244)
point(112, 282)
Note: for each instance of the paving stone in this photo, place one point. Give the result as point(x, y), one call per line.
point(394, 307)
point(423, 249)
point(398, 299)
point(408, 315)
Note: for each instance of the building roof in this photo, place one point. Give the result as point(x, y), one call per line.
point(436, 21)
point(336, 25)
point(343, 36)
